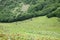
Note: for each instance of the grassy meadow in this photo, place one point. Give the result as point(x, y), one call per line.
point(39, 28)
point(29, 19)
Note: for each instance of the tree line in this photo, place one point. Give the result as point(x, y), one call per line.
point(49, 8)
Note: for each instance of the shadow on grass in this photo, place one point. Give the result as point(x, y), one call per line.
point(16, 20)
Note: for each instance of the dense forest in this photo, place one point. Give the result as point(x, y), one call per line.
point(10, 10)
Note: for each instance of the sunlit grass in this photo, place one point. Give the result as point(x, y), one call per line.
point(39, 28)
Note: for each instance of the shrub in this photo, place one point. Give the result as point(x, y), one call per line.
point(56, 13)
point(37, 8)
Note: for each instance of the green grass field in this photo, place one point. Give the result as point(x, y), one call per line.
point(29, 19)
point(39, 28)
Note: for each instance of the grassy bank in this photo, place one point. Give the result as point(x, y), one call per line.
point(39, 28)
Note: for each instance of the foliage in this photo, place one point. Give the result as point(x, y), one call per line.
point(56, 13)
point(10, 10)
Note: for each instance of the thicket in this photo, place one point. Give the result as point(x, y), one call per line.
point(50, 8)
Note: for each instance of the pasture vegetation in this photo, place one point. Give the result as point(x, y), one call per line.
point(39, 28)
point(29, 19)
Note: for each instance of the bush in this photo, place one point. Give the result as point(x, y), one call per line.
point(56, 13)
point(37, 8)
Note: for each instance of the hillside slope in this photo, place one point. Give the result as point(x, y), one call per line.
point(14, 10)
point(41, 28)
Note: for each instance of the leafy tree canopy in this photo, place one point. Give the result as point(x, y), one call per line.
point(10, 10)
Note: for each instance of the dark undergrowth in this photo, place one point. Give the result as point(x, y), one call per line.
point(49, 8)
